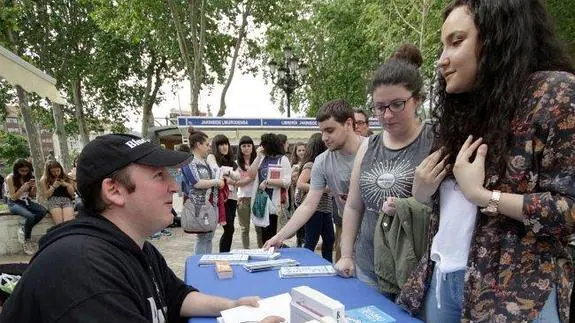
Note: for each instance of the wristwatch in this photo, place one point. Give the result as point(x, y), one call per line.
point(492, 207)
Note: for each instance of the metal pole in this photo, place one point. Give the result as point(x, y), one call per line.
point(288, 103)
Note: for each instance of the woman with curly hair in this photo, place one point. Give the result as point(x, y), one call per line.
point(502, 214)
point(59, 190)
point(271, 172)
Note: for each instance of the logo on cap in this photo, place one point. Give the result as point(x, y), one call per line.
point(136, 142)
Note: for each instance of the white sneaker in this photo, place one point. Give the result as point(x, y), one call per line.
point(21, 235)
point(29, 248)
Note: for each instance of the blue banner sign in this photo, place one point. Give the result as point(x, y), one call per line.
point(218, 122)
point(310, 123)
point(293, 122)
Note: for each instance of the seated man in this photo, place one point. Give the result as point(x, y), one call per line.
point(99, 267)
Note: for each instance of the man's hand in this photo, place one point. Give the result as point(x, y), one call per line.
point(345, 267)
point(274, 241)
point(247, 301)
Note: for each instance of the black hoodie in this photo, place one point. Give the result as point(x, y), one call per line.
point(88, 270)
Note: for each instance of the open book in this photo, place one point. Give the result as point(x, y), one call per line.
point(277, 305)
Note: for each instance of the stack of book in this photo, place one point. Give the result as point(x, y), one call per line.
point(307, 271)
point(270, 264)
point(257, 254)
point(207, 260)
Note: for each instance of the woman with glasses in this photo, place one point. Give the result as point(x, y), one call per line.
point(384, 166)
point(498, 233)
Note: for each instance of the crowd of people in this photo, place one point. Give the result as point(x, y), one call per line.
point(462, 217)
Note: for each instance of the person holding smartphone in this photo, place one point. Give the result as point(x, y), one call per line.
point(21, 189)
point(59, 190)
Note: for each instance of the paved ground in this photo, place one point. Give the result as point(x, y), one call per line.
point(175, 249)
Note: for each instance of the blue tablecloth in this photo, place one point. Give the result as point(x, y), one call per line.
point(350, 291)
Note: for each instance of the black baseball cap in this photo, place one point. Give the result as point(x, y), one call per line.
point(109, 153)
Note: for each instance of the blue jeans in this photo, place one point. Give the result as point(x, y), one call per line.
point(204, 243)
point(33, 213)
point(451, 299)
point(320, 224)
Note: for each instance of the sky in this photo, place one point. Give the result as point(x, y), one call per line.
point(247, 97)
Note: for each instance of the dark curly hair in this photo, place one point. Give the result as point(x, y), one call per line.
point(516, 39)
point(272, 145)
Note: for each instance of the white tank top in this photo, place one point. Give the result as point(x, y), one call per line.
point(450, 246)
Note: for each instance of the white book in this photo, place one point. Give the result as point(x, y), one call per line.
point(207, 260)
point(276, 305)
point(307, 271)
point(270, 264)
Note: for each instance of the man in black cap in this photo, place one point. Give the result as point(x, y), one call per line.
point(99, 267)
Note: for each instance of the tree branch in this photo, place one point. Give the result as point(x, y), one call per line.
point(402, 18)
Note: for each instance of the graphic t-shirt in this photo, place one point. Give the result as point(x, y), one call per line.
point(386, 172)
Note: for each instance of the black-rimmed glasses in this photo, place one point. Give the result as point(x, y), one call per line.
point(395, 106)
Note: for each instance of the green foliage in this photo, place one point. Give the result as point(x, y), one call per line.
point(563, 13)
point(7, 97)
point(344, 41)
point(13, 147)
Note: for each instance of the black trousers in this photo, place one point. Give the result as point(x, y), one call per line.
point(226, 239)
point(270, 231)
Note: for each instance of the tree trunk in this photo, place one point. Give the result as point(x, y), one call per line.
point(153, 85)
point(61, 134)
point(198, 46)
point(239, 40)
point(77, 94)
point(182, 43)
point(32, 133)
